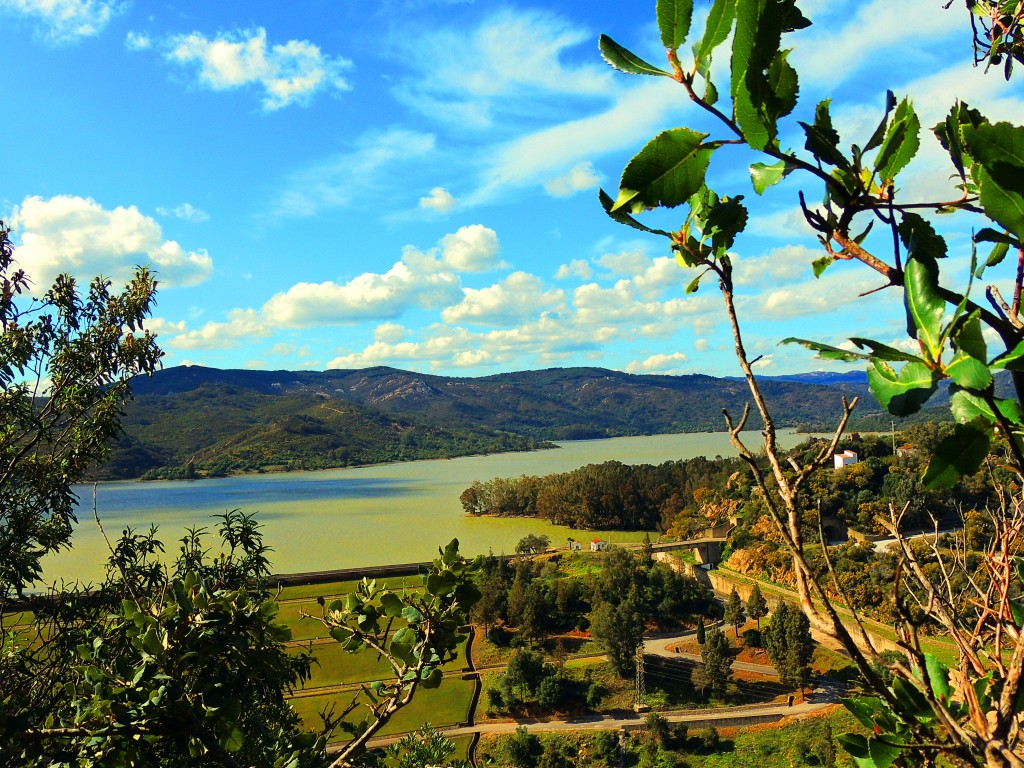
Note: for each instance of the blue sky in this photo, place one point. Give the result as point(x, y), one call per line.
point(414, 182)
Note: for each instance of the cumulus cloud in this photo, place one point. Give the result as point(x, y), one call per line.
point(349, 176)
point(79, 236)
point(514, 299)
point(185, 211)
point(580, 177)
point(575, 268)
point(66, 21)
point(473, 248)
point(389, 333)
point(369, 296)
point(439, 199)
point(624, 263)
point(241, 325)
point(659, 363)
point(287, 73)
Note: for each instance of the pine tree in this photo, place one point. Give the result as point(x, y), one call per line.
point(702, 632)
point(734, 613)
point(757, 606)
point(787, 638)
point(715, 653)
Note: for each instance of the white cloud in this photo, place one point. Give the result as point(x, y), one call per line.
point(828, 54)
point(137, 41)
point(831, 293)
point(473, 248)
point(468, 78)
point(185, 211)
point(626, 263)
point(439, 199)
point(389, 333)
point(79, 236)
point(66, 21)
point(369, 296)
point(241, 325)
point(659, 363)
point(530, 159)
point(514, 299)
point(288, 73)
point(790, 262)
point(580, 177)
point(701, 345)
point(575, 268)
point(340, 180)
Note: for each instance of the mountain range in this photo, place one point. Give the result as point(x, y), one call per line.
point(193, 421)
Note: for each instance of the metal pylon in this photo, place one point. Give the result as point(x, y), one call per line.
point(641, 685)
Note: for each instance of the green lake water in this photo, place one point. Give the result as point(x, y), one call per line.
point(344, 518)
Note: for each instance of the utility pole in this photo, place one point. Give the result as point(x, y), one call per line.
point(892, 422)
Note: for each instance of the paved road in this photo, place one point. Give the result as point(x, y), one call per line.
point(659, 647)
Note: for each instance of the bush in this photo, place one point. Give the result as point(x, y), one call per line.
point(707, 739)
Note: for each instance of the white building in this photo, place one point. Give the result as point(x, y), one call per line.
point(845, 459)
point(598, 545)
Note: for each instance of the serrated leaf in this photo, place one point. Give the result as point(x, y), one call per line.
point(764, 176)
point(949, 133)
point(879, 134)
point(901, 142)
point(968, 372)
point(784, 86)
point(920, 237)
point(998, 152)
point(968, 338)
point(826, 351)
point(818, 266)
point(959, 454)
point(674, 17)
point(825, 136)
point(855, 744)
point(624, 218)
point(863, 708)
point(666, 172)
point(716, 29)
point(925, 306)
point(904, 393)
point(911, 698)
point(725, 219)
point(625, 60)
point(885, 352)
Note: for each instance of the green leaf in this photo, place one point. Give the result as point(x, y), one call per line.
point(959, 454)
point(341, 634)
point(694, 284)
point(825, 351)
point(901, 142)
point(624, 218)
point(855, 744)
point(755, 46)
point(968, 338)
point(925, 306)
point(431, 677)
point(968, 406)
point(412, 615)
point(666, 172)
point(674, 17)
point(885, 352)
point(818, 266)
point(234, 740)
point(863, 708)
point(402, 652)
point(901, 394)
point(1012, 360)
point(998, 151)
point(625, 60)
point(968, 372)
point(949, 133)
point(920, 237)
point(391, 603)
point(716, 30)
point(822, 139)
point(784, 86)
point(911, 698)
point(938, 677)
point(725, 219)
point(876, 137)
point(764, 176)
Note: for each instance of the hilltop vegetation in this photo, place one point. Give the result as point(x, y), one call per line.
point(194, 421)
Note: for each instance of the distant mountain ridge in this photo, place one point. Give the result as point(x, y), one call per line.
point(191, 421)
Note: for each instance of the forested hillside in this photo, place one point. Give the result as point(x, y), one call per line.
point(194, 421)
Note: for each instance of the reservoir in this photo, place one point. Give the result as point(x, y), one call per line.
point(345, 518)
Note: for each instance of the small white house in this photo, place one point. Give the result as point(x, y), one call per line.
point(575, 546)
point(598, 545)
point(845, 459)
